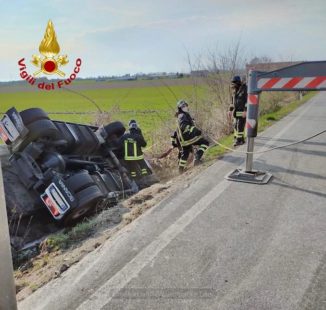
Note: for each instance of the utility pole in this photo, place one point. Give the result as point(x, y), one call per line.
point(7, 284)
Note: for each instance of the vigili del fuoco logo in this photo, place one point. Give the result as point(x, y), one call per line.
point(50, 63)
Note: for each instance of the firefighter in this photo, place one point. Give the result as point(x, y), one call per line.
point(176, 144)
point(133, 141)
point(188, 135)
point(238, 109)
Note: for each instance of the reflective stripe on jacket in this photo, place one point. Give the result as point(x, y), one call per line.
point(239, 114)
point(186, 130)
point(131, 150)
point(133, 142)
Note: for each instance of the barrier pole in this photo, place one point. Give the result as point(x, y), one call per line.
point(252, 117)
point(250, 156)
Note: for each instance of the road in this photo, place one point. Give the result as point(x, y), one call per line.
point(219, 244)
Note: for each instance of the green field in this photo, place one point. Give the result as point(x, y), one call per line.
point(151, 106)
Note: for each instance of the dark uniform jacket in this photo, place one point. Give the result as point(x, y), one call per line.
point(239, 101)
point(187, 131)
point(132, 142)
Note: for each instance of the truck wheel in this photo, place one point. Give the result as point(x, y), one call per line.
point(40, 129)
point(115, 128)
point(79, 181)
point(31, 115)
point(87, 200)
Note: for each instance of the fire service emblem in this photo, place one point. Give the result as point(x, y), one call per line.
point(49, 62)
point(49, 48)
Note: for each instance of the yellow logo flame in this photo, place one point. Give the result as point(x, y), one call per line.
point(49, 48)
point(49, 45)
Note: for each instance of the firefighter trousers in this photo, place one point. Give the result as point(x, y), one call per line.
point(137, 168)
point(239, 128)
point(186, 150)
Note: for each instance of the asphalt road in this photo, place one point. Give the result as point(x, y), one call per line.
point(219, 244)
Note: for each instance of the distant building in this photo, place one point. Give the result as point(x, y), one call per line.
point(199, 73)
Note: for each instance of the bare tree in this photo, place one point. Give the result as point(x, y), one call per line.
point(213, 72)
point(257, 60)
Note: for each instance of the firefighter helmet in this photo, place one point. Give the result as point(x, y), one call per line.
point(133, 124)
point(236, 80)
point(181, 104)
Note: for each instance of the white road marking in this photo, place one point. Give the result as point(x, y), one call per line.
point(131, 270)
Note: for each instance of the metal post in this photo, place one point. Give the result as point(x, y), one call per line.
point(7, 284)
point(252, 117)
point(248, 175)
point(249, 159)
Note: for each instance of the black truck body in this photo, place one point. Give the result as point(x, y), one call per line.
point(67, 168)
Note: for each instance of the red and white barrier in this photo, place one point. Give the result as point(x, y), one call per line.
point(315, 82)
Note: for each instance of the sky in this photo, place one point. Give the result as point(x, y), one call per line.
point(116, 37)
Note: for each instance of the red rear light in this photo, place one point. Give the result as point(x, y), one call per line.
point(51, 206)
point(3, 136)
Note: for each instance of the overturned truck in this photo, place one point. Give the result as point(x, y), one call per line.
point(59, 172)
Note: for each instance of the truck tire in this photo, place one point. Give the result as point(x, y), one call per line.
point(40, 129)
point(115, 128)
point(87, 201)
point(79, 181)
point(31, 115)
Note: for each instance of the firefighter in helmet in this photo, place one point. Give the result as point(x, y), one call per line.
point(238, 109)
point(133, 141)
point(188, 135)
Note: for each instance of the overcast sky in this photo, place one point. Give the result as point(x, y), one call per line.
point(130, 36)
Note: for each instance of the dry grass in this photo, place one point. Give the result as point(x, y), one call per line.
point(211, 116)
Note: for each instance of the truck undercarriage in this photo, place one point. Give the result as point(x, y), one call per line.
point(59, 172)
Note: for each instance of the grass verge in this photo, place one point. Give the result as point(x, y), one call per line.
point(264, 121)
point(64, 240)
